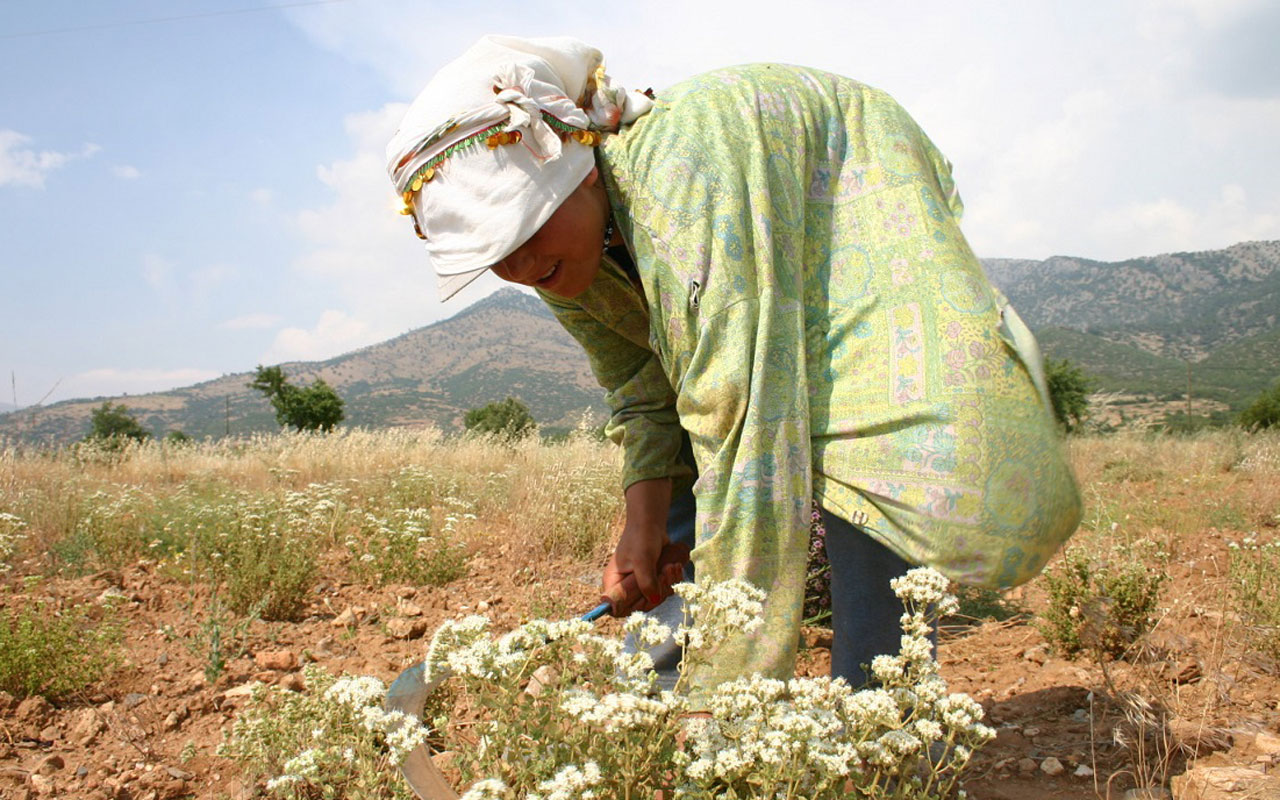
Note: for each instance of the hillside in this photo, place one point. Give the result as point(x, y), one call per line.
point(1139, 326)
point(506, 344)
point(1178, 305)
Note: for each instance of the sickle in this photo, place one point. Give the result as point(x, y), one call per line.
point(409, 693)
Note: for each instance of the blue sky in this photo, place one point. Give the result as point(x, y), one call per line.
point(188, 189)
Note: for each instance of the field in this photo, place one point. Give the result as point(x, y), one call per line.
point(146, 589)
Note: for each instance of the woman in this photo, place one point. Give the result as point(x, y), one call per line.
point(785, 284)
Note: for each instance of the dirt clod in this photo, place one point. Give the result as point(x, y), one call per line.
point(1225, 783)
point(50, 764)
point(33, 710)
point(280, 660)
point(406, 628)
point(1052, 767)
point(1266, 744)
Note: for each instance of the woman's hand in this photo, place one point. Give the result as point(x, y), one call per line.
point(639, 548)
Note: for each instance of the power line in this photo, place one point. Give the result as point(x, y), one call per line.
point(129, 23)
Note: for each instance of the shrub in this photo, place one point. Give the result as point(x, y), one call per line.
point(979, 603)
point(572, 504)
point(305, 408)
point(331, 741)
point(509, 419)
point(1255, 581)
point(113, 426)
point(53, 652)
point(113, 528)
point(1264, 411)
point(559, 711)
point(1069, 391)
point(1102, 605)
point(269, 564)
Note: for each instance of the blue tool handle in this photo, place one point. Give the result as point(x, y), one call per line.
point(597, 612)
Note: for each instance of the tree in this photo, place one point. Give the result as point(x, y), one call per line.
point(1264, 411)
point(306, 408)
point(1069, 391)
point(509, 419)
point(113, 424)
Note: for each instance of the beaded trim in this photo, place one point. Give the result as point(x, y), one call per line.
point(493, 138)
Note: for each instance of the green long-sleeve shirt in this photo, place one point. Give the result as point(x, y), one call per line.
point(810, 313)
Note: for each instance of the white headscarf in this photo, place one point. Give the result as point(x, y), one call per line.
point(496, 142)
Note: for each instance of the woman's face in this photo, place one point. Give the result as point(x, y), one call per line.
point(564, 255)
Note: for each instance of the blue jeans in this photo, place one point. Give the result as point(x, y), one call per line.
point(864, 610)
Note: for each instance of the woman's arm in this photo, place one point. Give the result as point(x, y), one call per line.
point(643, 422)
point(643, 536)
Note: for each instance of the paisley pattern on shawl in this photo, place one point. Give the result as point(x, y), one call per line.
point(811, 314)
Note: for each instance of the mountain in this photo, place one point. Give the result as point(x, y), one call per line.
point(1151, 325)
point(1179, 305)
point(506, 344)
point(1142, 327)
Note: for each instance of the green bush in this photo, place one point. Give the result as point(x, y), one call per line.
point(978, 603)
point(113, 426)
point(52, 652)
point(1100, 605)
point(1069, 391)
point(305, 408)
point(1264, 411)
point(509, 419)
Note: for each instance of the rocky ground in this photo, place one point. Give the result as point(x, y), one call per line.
point(152, 729)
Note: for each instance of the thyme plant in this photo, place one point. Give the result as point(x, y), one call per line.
point(553, 711)
point(557, 711)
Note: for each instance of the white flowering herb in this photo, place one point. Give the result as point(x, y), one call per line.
point(594, 723)
point(553, 711)
point(11, 536)
point(333, 740)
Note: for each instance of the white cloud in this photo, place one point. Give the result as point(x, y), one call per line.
point(336, 332)
point(1057, 120)
point(157, 271)
point(359, 244)
point(203, 279)
point(1166, 225)
point(251, 322)
point(126, 172)
point(110, 381)
point(262, 196)
point(23, 166)
point(174, 283)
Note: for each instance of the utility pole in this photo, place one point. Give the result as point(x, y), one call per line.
point(1188, 391)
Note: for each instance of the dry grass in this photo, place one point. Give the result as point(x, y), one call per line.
point(561, 498)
